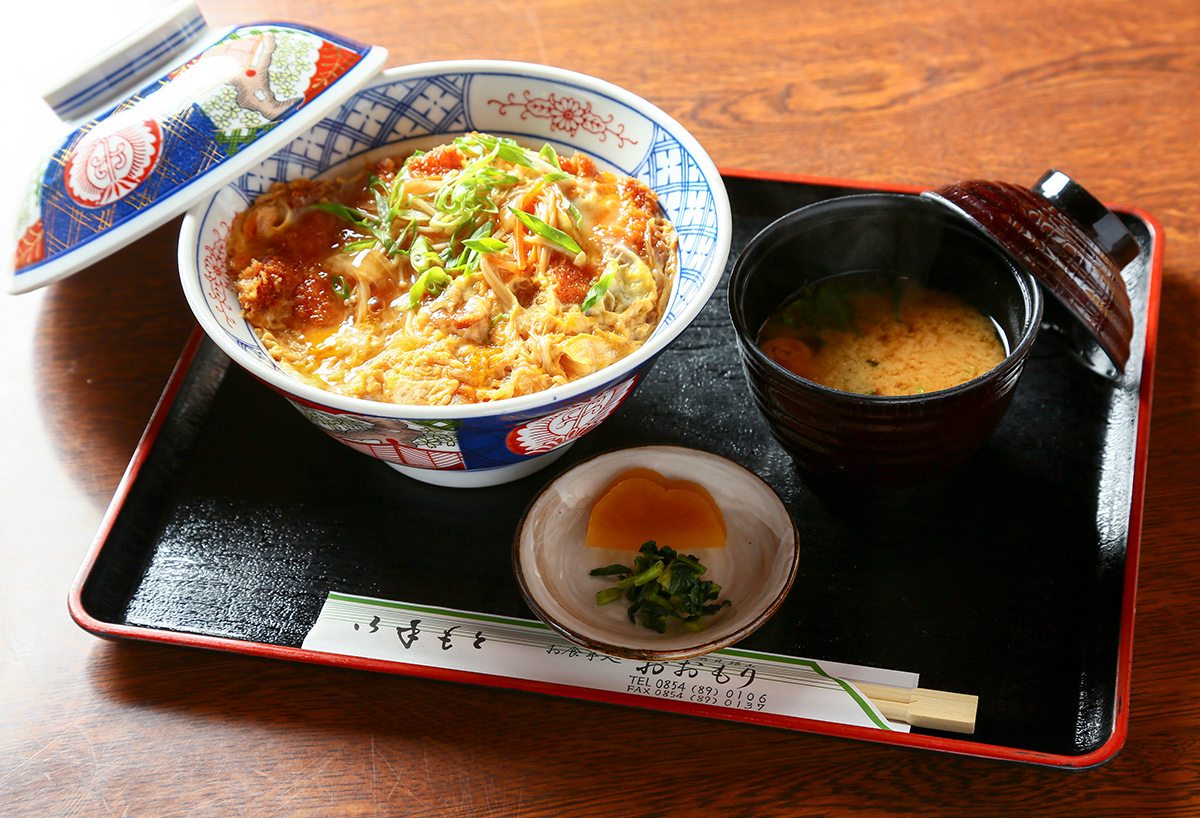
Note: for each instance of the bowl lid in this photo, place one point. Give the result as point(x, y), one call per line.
point(164, 118)
point(1072, 243)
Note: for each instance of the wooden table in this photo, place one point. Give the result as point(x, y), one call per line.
point(898, 92)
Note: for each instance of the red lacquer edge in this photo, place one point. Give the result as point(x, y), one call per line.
point(145, 444)
point(936, 743)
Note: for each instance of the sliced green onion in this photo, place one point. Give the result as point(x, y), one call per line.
point(485, 245)
point(383, 207)
point(552, 234)
point(509, 151)
point(341, 287)
point(550, 156)
point(474, 246)
point(361, 220)
point(575, 214)
point(432, 281)
point(341, 211)
point(598, 290)
point(462, 197)
point(412, 215)
point(421, 255)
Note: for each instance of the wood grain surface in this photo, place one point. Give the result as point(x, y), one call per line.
point(893, 91)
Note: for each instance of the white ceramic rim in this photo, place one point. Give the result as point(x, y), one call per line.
point(132, 60)
point(621, 370)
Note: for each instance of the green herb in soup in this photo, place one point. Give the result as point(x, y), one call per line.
point(871, 336)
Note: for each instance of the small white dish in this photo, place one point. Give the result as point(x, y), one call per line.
point(755, 570)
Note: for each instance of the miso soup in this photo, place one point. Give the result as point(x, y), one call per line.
point(873, 335)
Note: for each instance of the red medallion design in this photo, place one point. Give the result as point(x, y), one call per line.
point(547, 433)
point(112, 159)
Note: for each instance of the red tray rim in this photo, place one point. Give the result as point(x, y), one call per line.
point(953, 746)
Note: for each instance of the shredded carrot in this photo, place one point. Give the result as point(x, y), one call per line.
point(519, 244)
point(789, 353)
point(532, 194)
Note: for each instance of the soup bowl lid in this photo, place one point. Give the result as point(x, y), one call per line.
point(1074, 245)
point(166, 117)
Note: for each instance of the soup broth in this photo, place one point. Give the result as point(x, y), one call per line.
point(872, 335)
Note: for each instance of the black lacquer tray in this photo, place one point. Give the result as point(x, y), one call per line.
point(1012, 579)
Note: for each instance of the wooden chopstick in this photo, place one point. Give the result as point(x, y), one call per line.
point(932, 709)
